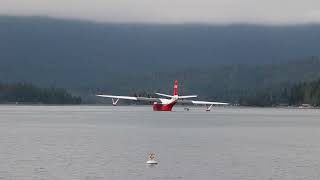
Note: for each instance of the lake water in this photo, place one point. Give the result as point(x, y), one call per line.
point(103, 142)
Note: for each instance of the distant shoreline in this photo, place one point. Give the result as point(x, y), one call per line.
point(131, 105)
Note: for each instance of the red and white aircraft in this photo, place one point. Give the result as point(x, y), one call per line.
point(165, 104)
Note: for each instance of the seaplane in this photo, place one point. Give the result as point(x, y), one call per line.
point(166, 103)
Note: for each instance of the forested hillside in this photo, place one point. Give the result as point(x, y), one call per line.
point(82, 55)
point(218, 62)
point(28, 93)
point(295, 95)
point(304, 93)
point(223, 82)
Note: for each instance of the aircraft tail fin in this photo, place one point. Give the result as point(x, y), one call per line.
point(175, 88)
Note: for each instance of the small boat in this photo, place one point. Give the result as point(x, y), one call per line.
point(152, 159)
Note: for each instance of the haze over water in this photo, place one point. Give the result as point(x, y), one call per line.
point(102, 142)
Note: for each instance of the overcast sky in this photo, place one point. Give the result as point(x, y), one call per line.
point(171, 11)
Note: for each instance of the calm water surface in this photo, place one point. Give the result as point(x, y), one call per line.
point(101, 142)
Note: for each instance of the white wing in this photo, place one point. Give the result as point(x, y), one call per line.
point(202, 102)
point(208, 102)
point(119, 97)
point(132, 98)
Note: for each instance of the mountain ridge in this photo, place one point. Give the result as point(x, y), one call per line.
point(88, 56)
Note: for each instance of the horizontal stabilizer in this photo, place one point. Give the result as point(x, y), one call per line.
point(190, 96)
point(165, 95)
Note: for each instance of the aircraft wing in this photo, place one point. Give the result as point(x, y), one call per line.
point(201, 102)
point(131, 98)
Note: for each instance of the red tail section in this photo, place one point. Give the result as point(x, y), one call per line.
point(175, 88)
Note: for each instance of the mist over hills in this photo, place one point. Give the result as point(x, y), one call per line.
point(217, 61)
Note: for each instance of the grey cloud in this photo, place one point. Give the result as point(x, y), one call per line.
point(171, 11)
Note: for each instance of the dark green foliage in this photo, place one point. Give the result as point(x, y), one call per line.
point(305, 93)
point(79, 54)
point(227, 82)
point(296, 95)
point(262, 100)
point(28, 93)
point(221, 63)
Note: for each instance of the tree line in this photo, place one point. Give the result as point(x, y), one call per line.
point(295, 95)
point(29, 93)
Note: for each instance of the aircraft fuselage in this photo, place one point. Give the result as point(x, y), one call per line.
point(163, 107)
